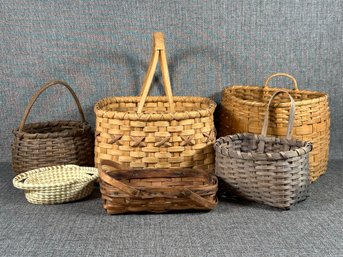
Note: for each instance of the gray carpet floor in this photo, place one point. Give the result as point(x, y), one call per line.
point(234, 228)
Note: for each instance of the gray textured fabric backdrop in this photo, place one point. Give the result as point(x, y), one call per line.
point(102, 48)
point(312, 228)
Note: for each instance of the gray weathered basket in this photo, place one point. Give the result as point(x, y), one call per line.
point(265, 169)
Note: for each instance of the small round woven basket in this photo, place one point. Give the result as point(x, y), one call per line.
point(57, 184)
point(61, 142)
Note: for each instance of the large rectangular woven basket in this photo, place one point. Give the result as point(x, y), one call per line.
point(265, 169)
point(242, 110)
point(155, 190)
point(51, 143)
point(156, 132)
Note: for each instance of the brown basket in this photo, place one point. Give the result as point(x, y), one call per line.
point(156, 132)
point(265, 169)
point(242, 110)
point(52, 143)
point(155, 190)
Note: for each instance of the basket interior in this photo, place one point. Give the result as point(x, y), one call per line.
point(56, 177)
point(258, 94)
point(159, 177)
point(249, 144)
point(155, 104)
point(54, 127)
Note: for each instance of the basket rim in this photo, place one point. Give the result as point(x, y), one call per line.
point(80, 128)
point(222, 145)
point(321, 98)
point(167, 116)
point(20, 179)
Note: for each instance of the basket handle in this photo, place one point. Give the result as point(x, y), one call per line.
point(40, 91)
point(295, 83)
point(290, 119)
point(109, 180)
point(199, 199)
point(158, 53)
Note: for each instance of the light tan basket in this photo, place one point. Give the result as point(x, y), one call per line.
point(56, 184)
point(156, 132)
point(242, 110)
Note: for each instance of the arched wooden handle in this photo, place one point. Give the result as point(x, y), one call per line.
point(158, 53)
point(266, 120)
point(40, 91)
point(266, 83)
point(199, 199)
point(290, 119)
point(112, 181)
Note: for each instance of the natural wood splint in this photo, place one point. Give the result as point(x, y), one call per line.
point(115, 139)
point(242, 109)
point(156, 131)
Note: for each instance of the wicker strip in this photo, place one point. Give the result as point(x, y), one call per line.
point(155, 190)
point(266, 169)
point(242, 110)
point(44, 144)
point(56, 184)
point(156, 131)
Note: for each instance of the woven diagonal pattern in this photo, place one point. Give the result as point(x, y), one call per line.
point(243, 107)
point(277, 177)
point(156, 138)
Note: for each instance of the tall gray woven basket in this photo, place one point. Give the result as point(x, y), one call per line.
point(263, 168)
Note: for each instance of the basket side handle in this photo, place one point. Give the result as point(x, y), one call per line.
point(280, 74)
point(158, 53)
point(112, 181)
point(199, 199)
point(40, 91)
point(290, 119)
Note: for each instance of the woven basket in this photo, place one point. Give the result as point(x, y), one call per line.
point(155, 190)
point(56, 184)
point(242, 110)
point(45, 144)
point(156, 132)
point(265, 169)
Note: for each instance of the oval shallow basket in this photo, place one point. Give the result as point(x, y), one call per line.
point(155, 190)
point(56, 184)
